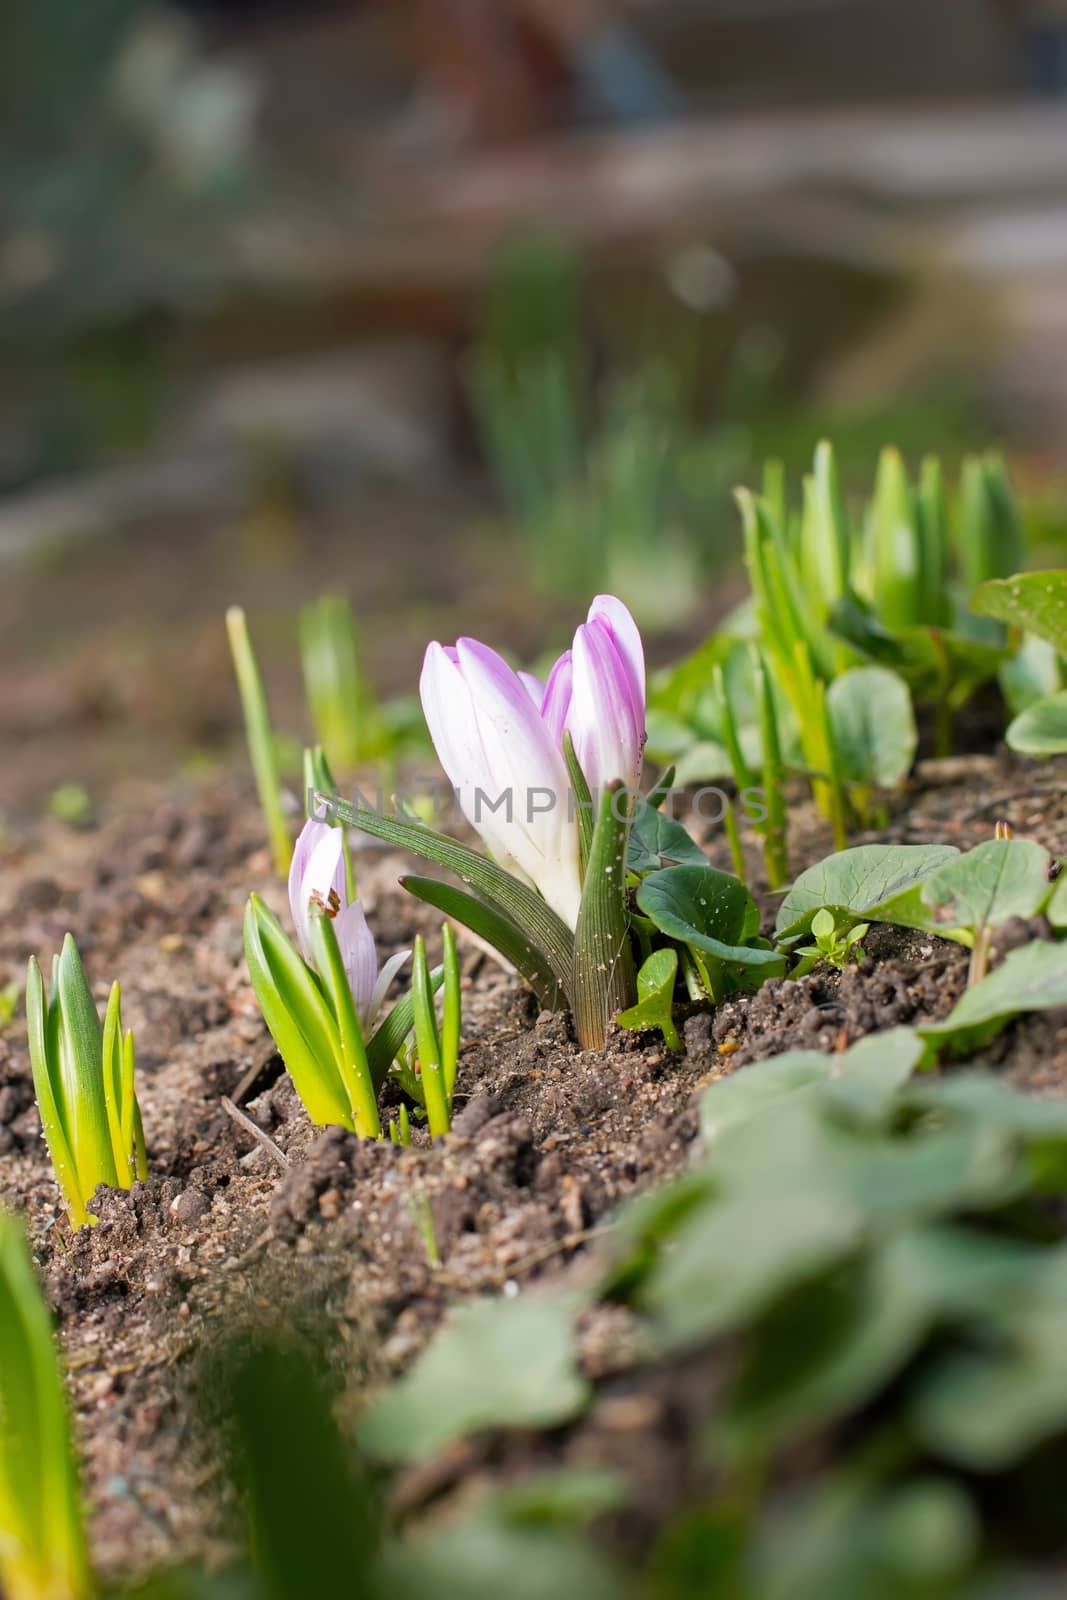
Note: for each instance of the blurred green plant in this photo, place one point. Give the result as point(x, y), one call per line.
point(83, 1078)
point(42, 1537)
point(611, 484)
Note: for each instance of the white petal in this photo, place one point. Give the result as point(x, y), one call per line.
point(381, 988)
point(356, 944)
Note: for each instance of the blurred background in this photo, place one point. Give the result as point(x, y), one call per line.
point(467, 309)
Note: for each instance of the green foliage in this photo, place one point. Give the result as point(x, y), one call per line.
point(655, 998)
point(1037, 603)
point(1033, 978)
point(437, 1046)
point(42, 1538)
point(714, 918)
point(873, 727)
point(496, 1363)
point(313, 1021)
point(260, 736)
point(83, 1078)
point(853, 883)
point(347, 722)
point(834, 946)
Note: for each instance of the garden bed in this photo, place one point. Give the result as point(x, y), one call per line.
point(324, 1230)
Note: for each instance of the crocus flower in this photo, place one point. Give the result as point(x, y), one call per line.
point(499, 737)
point(317, 878)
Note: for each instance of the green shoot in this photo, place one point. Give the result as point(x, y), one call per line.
point(833, 945)
point(313, 1021)
point(83, 1077)
point(260, 736)
point(433, 1046)
point(400, 1127)
point(347, 722)
point(42, 1535)
point(775, 834)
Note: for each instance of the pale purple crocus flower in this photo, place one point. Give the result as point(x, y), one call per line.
point(499, 737)
point(317, 878)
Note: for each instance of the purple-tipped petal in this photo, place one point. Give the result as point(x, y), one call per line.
point(556, 701)
point(606, 718)
point(627, 639)
point(533, 686)
point(317, 867)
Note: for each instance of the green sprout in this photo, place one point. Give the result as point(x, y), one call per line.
point(343, 709)
point(42, 1535)
point(437, 1045)
point(836, 946)
point(260, 735)
point(83, 1077)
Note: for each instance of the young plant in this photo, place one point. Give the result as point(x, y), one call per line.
point(833, 945)
point(260, 736)
point(320, 1002)
point(83, 1077)
point(1035, 604)
point(346, 718)
point(525, 760)
point(429, 1074)
point(42, 1534)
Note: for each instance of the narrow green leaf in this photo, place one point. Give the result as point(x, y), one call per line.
point(521, 905)
point(530, 963)
point(42, 1537)
point(603, 967)
point(452, 1014)
point(894, 538)
point(45, 1067)
point(581, 799)
point(352, 1063)
point(428, 1044)
point(260, 735)
point(81, 1066)
point(384, 1047)
point(113, 1086)
point(297, 1015)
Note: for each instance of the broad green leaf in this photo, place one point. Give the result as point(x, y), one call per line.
point(825, 1349)
point(735, 1254)
point(658, 841)
point(996, 880)
point(1033, 978)
point(495, 1364)
point(934, 662)
point(855, 880)
point(484, 1557)
point(1033, 673)
point(873, 726)
point(1040, 730)
point(42, 1538)
point(530, 963)
point(655, 998)
point(709, 910)
point(985, 1411)
point(1036, 602)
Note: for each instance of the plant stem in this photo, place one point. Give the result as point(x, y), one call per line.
point(260, 738)
point(428, 1044)
point(603, 964)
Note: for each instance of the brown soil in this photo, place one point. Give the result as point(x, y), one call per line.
point(328, 1230)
